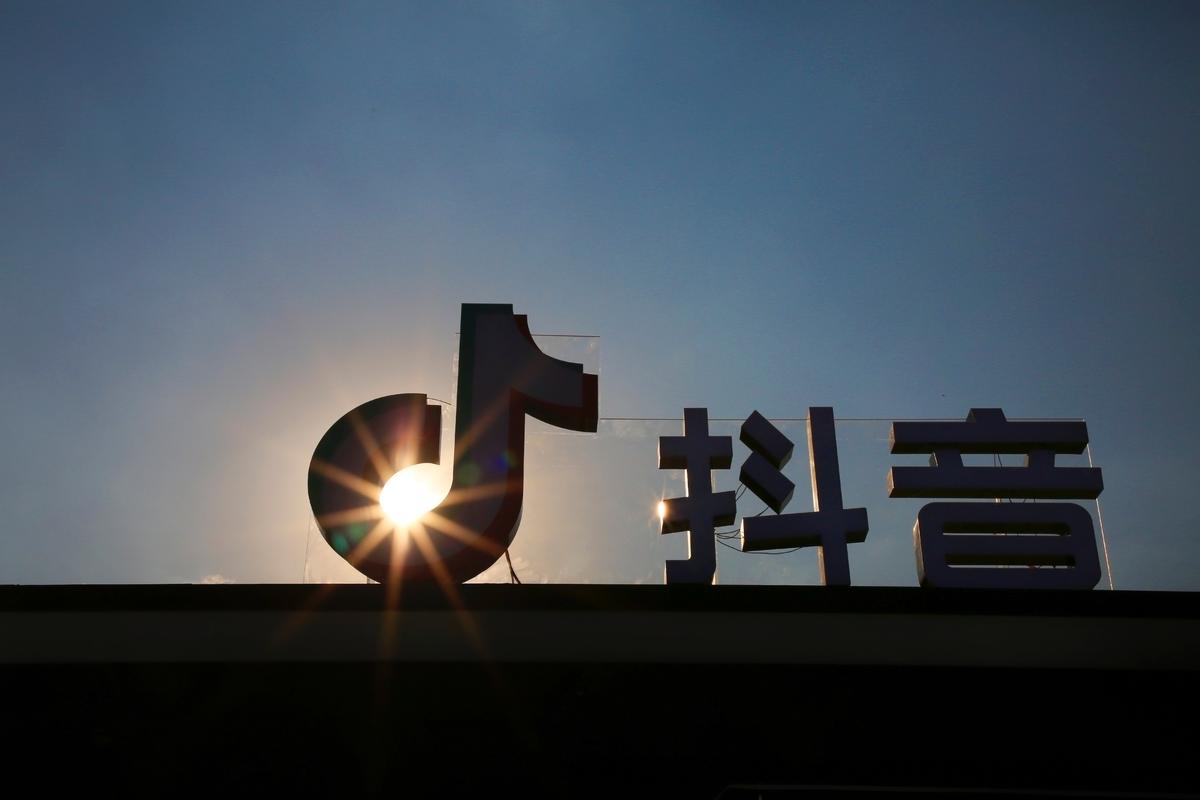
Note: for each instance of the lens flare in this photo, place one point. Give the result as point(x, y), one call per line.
point(410, 493)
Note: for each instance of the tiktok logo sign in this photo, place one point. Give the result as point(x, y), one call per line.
point(502, 376)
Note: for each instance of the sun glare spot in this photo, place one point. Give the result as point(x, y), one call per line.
point(662, 509)
point(410, 493)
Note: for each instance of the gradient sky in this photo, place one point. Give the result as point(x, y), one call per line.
point(222, 225)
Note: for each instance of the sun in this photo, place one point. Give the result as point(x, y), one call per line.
point(410, 493)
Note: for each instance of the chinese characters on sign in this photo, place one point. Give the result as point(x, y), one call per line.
point(829, 527)
point(976, 544)
point(503, 377)
point(697, 454)
point(997, 544)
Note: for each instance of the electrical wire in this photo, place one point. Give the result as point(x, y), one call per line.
point(512, 573)
point(1103, 538)
point(758, 552)
point(307, 541)
point(839, 419)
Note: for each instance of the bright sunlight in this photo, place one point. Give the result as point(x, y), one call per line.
point(410, 493)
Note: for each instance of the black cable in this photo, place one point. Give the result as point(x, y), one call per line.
point(512, 573)
point(758, 552)
point(997, 462)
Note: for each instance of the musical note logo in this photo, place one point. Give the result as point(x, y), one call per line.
point(502, 376)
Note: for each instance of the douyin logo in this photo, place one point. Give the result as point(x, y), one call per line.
point(502, 376)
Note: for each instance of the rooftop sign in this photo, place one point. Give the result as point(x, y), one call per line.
point(503, 376)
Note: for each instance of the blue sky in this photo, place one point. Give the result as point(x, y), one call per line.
point(223, 225)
